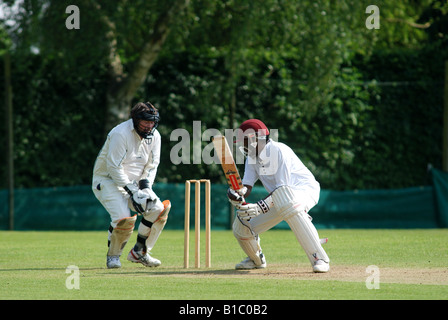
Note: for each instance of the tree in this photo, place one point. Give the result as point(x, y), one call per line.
point(302, 66)
point(124, 84)
point(126, 35)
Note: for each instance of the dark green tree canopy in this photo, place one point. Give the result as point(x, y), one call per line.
point(362, 108)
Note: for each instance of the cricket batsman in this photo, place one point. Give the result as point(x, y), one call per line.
point(123, 176)
point(293, 191)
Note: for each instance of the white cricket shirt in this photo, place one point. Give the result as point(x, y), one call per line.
point(125, 157)
point(277, 165)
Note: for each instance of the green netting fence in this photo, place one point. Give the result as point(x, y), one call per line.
point(76, 208)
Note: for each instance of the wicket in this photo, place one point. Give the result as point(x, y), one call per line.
point(197, 211)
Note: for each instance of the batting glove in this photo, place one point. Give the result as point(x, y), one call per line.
point(248, 211)
point(235, 198)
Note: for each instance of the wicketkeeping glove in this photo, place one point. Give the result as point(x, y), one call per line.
point(146, 190)
point(141, 195)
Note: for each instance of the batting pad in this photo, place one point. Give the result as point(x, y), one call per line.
point(120, 235)
point(293, 207)
point(158, 225)
point(151, 216)
point(307, 236)
point(248, 240)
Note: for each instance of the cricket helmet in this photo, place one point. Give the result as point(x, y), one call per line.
point(256, 126)
point(145, 111)
point(249, 134)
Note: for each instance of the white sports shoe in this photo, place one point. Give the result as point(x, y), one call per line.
point(113, 262)
point(320, 266)
point(248, 263)
point(143, 258)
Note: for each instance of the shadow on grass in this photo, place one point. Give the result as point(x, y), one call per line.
point(177, 272)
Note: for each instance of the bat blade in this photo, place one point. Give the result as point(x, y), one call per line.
point(228, 165)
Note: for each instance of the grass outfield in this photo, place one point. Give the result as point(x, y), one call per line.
point(412, 264)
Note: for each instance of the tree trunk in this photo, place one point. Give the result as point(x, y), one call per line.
point(122, 87)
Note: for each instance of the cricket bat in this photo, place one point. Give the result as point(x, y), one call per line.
point(228, 165)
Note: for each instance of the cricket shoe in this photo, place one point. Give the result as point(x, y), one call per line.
point(248, 263)
point(113, 262)
point(320, 266)
point(143, 258)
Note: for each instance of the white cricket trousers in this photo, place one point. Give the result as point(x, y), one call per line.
point(270, 219)
point(114, 200)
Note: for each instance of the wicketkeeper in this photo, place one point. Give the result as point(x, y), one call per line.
point(293, 191)
point(123, 176)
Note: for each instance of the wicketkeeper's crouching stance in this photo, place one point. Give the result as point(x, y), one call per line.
point(122, 181)
point(293, 191)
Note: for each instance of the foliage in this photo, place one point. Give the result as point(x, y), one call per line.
point(360, 107)
point(54, 145)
